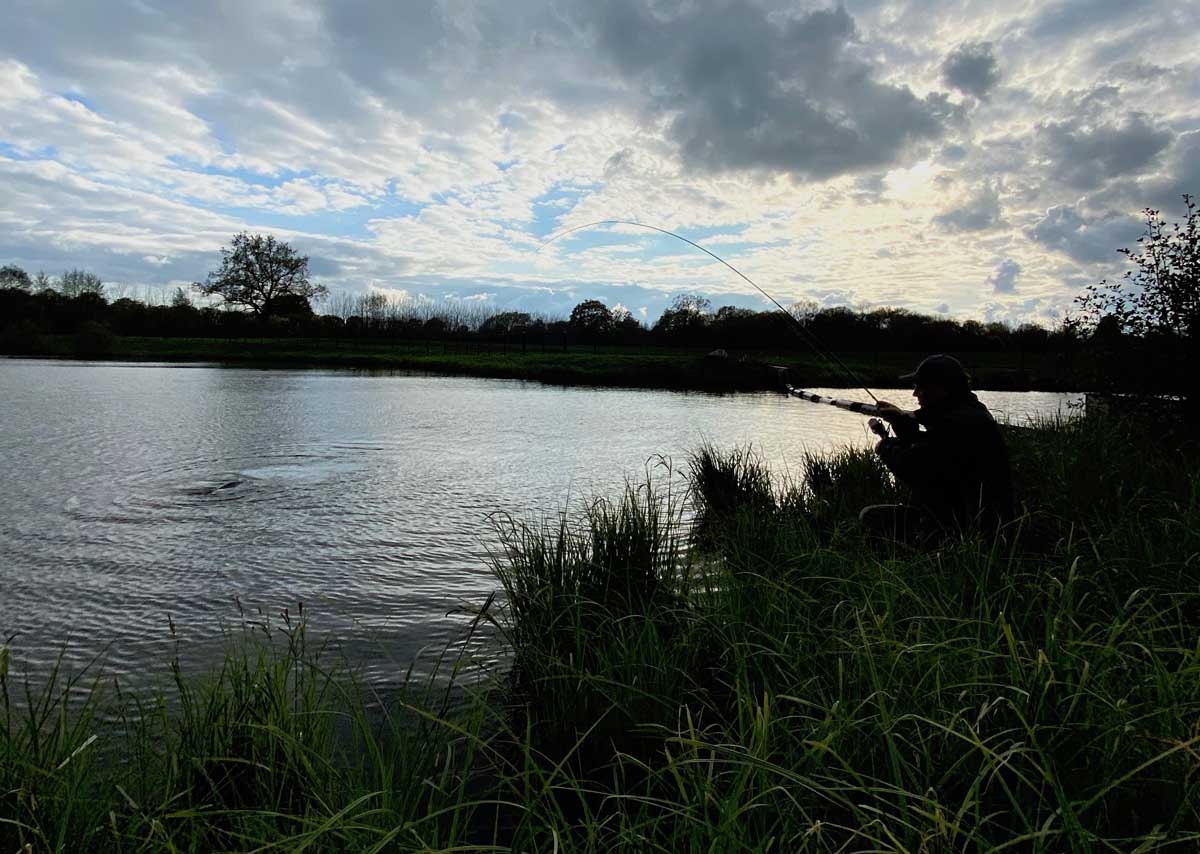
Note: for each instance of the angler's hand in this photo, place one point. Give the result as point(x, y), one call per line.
point(886, 445)
point(890, 412)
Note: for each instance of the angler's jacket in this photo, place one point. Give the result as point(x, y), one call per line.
point(957, 467)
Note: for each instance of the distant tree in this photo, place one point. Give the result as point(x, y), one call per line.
point(685, 318)
point(41, 282)
point(1031, 336)
point(624, 320)
point(257, 272)
point(691, 303)
point(181, 299)
point(734, 314)
point(373, 307)
point(12, 276)
point(804, 310)
point(591, 318)
point(1108, 330)
point(292, 307)
point(76, 283)
point(505, 322)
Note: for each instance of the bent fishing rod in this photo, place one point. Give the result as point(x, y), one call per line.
point(806, 335)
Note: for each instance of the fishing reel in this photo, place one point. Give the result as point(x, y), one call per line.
point(878, 428)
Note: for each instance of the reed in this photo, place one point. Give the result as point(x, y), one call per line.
point(280, 748)
point(823, 693)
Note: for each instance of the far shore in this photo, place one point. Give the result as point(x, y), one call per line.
point(574, 364)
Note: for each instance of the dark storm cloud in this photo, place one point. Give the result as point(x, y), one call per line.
point(1087, 240)
point(743, 90)
point(972, 68)
point(981, 211)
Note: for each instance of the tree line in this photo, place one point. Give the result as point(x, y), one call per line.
point(61, 306)
point(1147, 322)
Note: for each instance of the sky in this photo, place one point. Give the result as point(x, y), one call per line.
point(975, 159)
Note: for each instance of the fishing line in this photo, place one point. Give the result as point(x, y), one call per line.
point(808, 337)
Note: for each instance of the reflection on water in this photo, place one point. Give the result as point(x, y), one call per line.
point(137, 492)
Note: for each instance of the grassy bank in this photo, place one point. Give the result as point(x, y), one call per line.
point(574, 364)
point(775, 682)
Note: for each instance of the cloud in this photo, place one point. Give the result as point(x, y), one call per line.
point(1032, 310)
point(430, 145)
point(979, 212)
point(740, 89)
point(1071, 18)
point(1085, 152)
point(971, 68)
point(1089, 241)
point(1004, 280)
point(1180, 173)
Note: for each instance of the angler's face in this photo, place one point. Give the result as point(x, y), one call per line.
point(929, 394)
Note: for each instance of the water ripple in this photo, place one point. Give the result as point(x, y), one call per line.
point(144, 497)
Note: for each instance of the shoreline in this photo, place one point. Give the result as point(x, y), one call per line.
point(579, 365)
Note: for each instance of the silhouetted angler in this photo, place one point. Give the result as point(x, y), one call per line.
point(950, 454)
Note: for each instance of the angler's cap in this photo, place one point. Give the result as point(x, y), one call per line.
point(939, 368)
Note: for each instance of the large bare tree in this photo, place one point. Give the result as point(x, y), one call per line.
point(261, 274)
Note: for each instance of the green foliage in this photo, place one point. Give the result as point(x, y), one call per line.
point(686, 318)
point(591, 319)
point(278, 749)
point(1158, 303)
point(820, 692)
point(1162, 291)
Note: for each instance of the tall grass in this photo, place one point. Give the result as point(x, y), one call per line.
point(774, 682)
point(280, 749)
point(822, 692)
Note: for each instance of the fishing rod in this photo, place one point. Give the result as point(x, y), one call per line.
point(851, 405)
point(808, 337)
point(877, 426)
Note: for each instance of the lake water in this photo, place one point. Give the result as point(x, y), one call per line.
point(135, 494)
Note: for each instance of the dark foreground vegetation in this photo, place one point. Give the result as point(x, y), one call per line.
point(765, 680)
